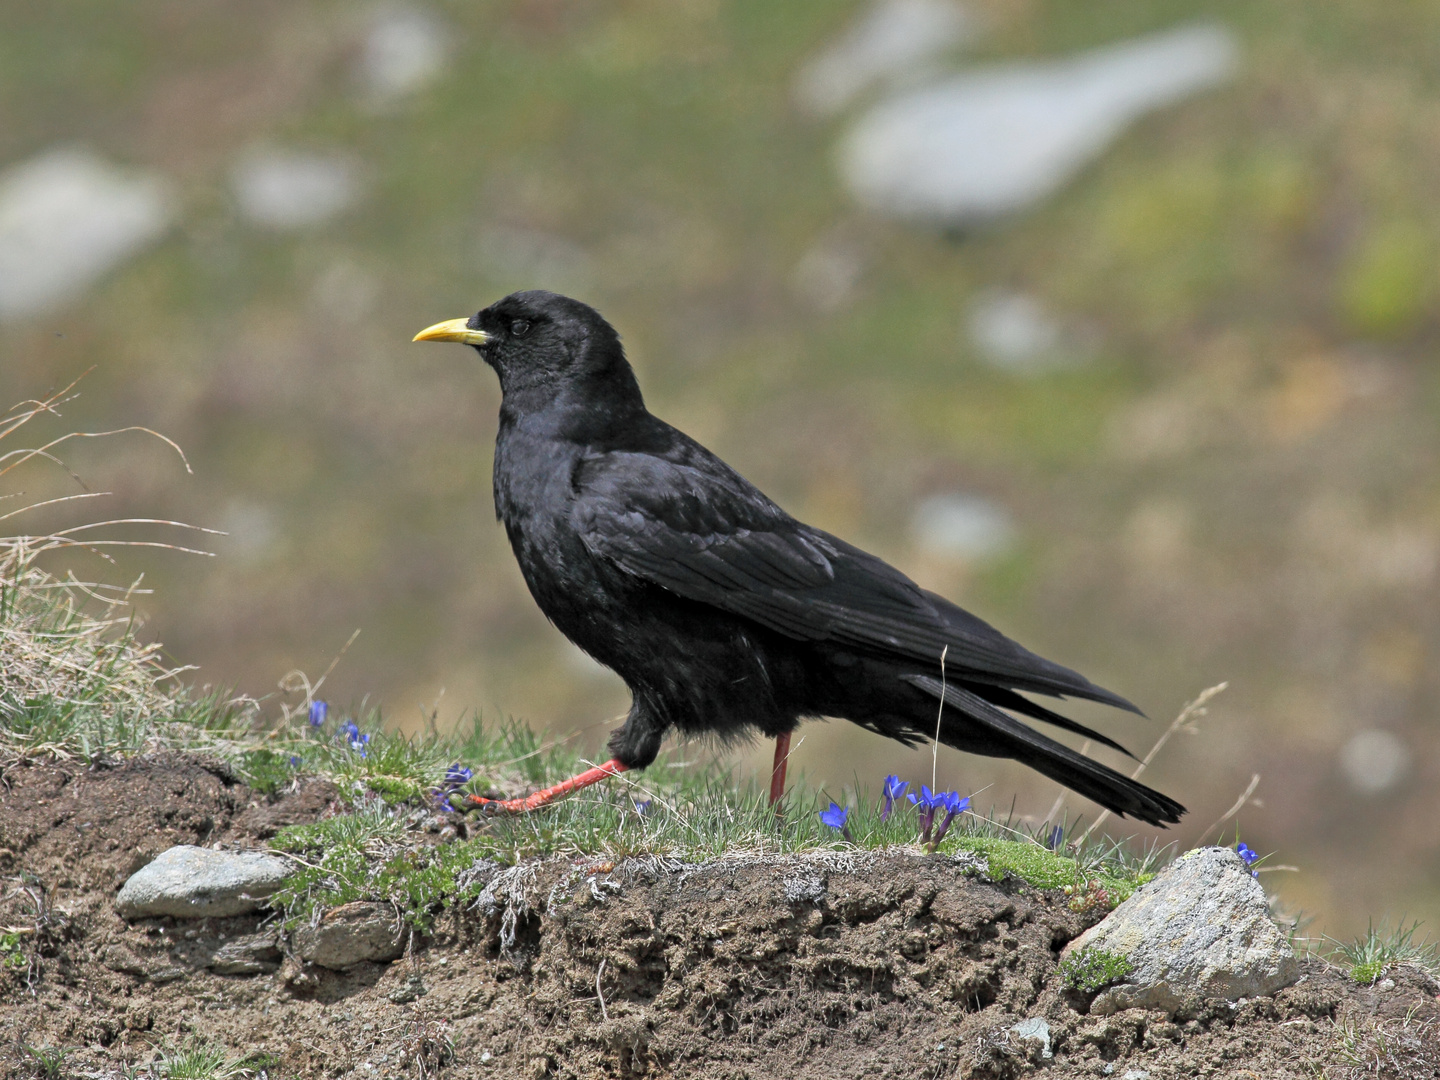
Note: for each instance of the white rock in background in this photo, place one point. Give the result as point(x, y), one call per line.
point(66, 217)
point(995, 141)
point(1201, 929)
point(287, 189)
point(405, 49)
point(194, 883)
point(1013, 332)
point(892, 41)
point(1373, 761)
point(962, 526)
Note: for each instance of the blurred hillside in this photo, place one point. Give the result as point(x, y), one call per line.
point(1229, 473)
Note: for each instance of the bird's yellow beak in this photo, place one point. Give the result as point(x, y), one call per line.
point(452, 330)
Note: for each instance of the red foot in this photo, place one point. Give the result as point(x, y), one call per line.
point(777, 771)
point(542, 798)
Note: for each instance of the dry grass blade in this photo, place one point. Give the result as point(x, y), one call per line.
point(1191, 712)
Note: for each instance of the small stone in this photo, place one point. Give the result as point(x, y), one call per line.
point(408, 991)
point(191, 882)
point(1036, 1032)
point(1385, 985)
point(252, 954)
point(1374, 760)
point(1201, 929)
point(353, 933)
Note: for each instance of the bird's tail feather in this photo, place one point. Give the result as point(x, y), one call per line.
point(1004, 736)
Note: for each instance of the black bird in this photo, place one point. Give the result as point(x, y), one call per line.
point(722, 613)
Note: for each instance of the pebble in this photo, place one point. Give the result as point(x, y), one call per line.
point(191, 882)
point(67, 217)
point(405, 49)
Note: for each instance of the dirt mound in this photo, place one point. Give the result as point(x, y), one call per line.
point(824, 966)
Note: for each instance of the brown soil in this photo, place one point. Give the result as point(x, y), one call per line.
point(885, 965)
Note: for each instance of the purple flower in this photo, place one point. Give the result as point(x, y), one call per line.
point(894, 788)
point(927, 802)
point(457, 775)
point(1055, 837)
point(954, 807)
point(318, 711)
point(442, 799)
point(294, 762)
point(349, 730)
point(1250, 855)
point(643, 808)
point(837, 817)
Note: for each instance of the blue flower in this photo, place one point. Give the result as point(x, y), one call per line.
point(1250, 855)
point(837, 817)
point(643, 808)
point(954, 807)
point(894, 788)
point(349, 730)
point(1055, 838)
point(458, 775)
point(294, 762)
point(442, 799)
point(925, 800)
point(318, 711)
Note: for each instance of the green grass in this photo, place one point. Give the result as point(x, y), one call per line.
point(1381, 947)
point(1091, 970)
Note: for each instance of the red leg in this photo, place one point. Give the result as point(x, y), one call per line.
point(777, 771)
point(542, 798)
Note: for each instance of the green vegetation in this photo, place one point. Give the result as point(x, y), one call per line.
point(1090, 970)
point(1369, 956)
point(48, 1061)
point(203, 1061)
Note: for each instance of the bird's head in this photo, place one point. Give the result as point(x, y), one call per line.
point(544, 344)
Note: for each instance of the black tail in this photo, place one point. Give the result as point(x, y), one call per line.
point(1001, 735)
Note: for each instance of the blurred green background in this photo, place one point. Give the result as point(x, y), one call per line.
point(1239, 481)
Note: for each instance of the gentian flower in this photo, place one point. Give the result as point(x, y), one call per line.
point(457, 775)
point(643, 808)
point(349, 730)
point(1250, 855)
point(894, 788)
point(1055, 837)
point(926, 803)
point(837, 817)
point(954, 807)
point(294, 762)
point(318, 711)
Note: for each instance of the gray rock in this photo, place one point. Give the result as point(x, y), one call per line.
point(353, 933)
point(250, 954)
point(892, 40)
point(1035, 1031)
point(66, 218)
point(194, 882)
point(1201, 929)
point(284, 189)
point(995, 141)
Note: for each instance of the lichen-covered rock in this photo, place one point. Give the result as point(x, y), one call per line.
point(352, 933)
point(194, 882)
point(1201, 929)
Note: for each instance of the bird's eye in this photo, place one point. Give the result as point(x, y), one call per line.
point(519, 328)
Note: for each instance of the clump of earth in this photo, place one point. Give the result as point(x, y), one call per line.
point(833, 965)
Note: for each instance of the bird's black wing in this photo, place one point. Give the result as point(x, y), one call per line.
point(698, 529)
